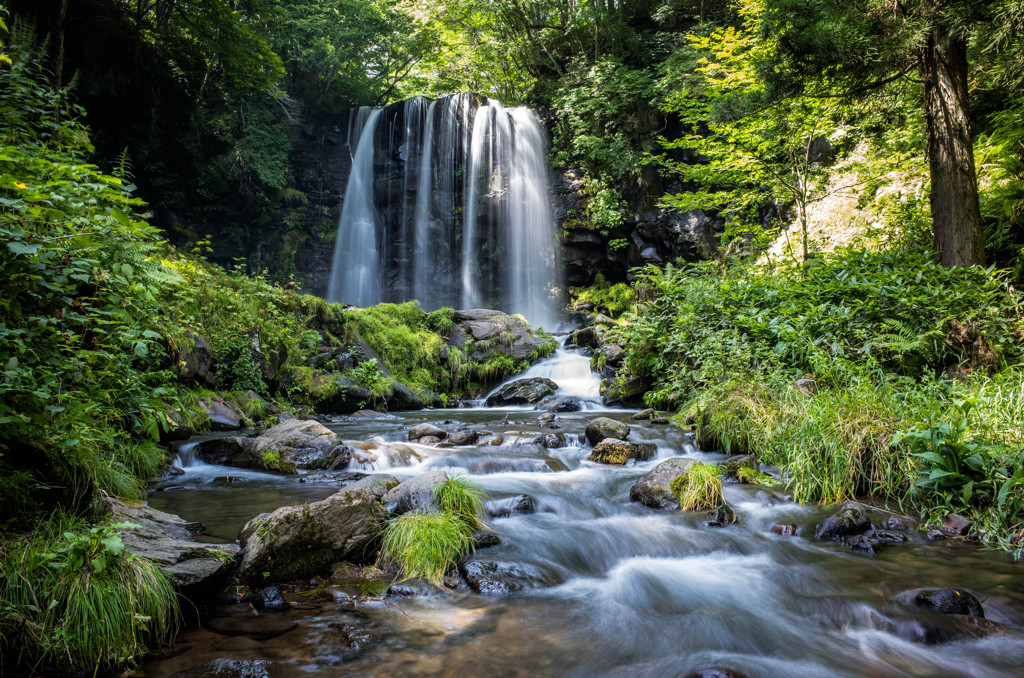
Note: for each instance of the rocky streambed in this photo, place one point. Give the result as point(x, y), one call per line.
point(586, 568)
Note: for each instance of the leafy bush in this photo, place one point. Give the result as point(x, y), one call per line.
point(613, 299)
point(72, 597)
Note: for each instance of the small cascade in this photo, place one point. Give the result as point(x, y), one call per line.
point(186, 455)
point(571, 371)
point(448, 203)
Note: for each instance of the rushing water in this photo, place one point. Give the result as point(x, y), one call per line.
point(448, 203)
point(628, 591)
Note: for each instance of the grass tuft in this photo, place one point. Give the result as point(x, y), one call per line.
point(426, 545)
point(698, 489)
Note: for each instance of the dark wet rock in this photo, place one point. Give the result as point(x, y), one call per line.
point(944, 601)
point(614, 451)
point(172, 471)
point(652, 489)
point(269, 598)
point(402, 398)
point(588, 336)
point(866, 545)
point(415, 494)
point(490, 440)
point(522, 392)
point(245, 623)
point(644, 415)
point(309, 444)
point(613, 354)
point(720, 516)
point(484, 538)
point(894, 523)
point(716, 672)
point(891, 537)
point(298, 541)
point(555, 403)
point(463, 436)
point(783, 529)
point(349, 397)
point(932, 629)
point(627, 393)
point(935, 535)
point(193, 359)
point(660, 421)
point(851, 519)
point(429, 440)
point(350, 642)
point(498, 578)
point(547, 417)
point(230, 668)
point(168, 541)
point(332, 478)
point(553, 440)
point(603, 427)
point(423, 430)
point(956, 525)
point(520, 504)
point(223, 415)
point(516, 464)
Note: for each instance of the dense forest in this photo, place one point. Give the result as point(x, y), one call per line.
point(850, 319)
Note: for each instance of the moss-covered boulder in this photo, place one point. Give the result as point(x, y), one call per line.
point(492, 331)
point(603, 427)
point(615, 451)
point(652, 489)
point(305, 443)
point(298, 541)
point(851, 519)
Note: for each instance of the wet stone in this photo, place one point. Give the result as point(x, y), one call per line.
point(355, 641)
point(947, 601)
point(894, 523)
point(720, 516)
point(891, 537)
point(520, 504)
point(652, 489)
point(560, 404)
point(866, 545)
point(956, 524)
point(553, 440)
point(716, 672)
point(603, 427)
point(619, 452)
point(499, 578)
point(429, 440)
point(422, 430)
point(269, 598)
point(935, 535)
point(660, 421)
point(644, 415)
point(783, 529)
point(851, 519)
point(230, 668)
point(463, 437)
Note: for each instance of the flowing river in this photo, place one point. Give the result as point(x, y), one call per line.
point(618, 589)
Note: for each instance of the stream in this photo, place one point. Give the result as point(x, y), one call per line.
point(620, 590)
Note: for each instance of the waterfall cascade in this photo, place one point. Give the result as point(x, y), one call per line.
point(448, 203)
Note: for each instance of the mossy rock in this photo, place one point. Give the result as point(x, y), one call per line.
point(619, 452)
point(601, 428)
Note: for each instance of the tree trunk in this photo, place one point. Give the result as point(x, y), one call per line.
point(58, 66)
point(956, 216)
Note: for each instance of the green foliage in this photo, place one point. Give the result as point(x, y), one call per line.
point(613, 299)
point(461, 497)
point(426, 545)
point(273, 461)
point(73, 597)
point(699, 488)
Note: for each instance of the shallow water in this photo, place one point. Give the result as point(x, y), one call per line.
point(630, 591)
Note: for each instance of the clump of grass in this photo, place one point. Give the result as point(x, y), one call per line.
point(72, 598)
point(462, 498)
point(749, 474)
point(426, 545)
point(699, 488)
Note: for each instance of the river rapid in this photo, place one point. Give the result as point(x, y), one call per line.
point(617, 589)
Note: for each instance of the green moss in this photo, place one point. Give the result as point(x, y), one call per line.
point(611, 299)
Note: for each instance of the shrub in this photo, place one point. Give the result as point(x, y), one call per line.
point(73, 597)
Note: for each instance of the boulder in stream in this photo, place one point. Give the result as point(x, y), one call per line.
point(499, 578)
point(652, 489)
point(463, 436)
point(614, 451)
point(603, 427)
point(521, 504)
point(423, 430)
point(309, 444)
point(555, 403)
point(415, 494)
point(852, 519)
point(944, 601)
point(167, 540)
point(297, 541)
point(522, 392)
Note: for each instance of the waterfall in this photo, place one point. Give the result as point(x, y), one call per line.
point(448, 203)
point(355, 274)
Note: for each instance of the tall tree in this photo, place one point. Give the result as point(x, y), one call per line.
point(865, 44)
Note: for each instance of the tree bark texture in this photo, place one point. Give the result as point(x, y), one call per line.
point(958, 238)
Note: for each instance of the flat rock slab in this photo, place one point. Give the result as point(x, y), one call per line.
point(167, 540)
